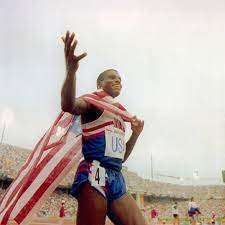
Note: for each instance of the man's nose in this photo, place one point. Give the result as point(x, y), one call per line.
point(117, 80)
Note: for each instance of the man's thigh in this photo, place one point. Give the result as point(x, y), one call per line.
point(92, 206)
point(125, 211)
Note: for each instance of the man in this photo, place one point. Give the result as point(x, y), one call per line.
point(175, 213)
point(99, 185)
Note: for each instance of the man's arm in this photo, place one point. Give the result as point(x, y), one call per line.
point(130, 145)
point(137, 127)
point(69, 103)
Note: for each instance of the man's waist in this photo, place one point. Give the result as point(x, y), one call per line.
point(106, 163)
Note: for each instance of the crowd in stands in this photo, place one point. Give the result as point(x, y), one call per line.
point(209, 198)
point(12, 159)
point(52, 205)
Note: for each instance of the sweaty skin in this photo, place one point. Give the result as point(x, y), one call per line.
point(123, 210)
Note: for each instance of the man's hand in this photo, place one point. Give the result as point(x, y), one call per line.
point(137, 125)
point(72, 61)
point(68, 93)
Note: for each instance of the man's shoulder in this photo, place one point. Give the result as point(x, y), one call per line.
point(91, 114)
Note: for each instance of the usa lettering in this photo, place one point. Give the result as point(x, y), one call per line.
point(117, 144)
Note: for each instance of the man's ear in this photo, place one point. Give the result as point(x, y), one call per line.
point(99, 86)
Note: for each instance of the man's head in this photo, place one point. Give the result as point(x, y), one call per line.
point(110, 82)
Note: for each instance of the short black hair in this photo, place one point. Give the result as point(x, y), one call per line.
point(101, 76)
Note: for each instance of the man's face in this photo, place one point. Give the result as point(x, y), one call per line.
point(112, 83)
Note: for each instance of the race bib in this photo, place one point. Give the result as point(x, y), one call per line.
point(97, 175)
point(115, 143)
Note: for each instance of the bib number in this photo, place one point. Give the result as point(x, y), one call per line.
point(115, 143)
point(97, 175)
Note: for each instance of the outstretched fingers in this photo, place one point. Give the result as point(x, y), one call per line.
point(72, 48)
point(81, 56)
point(68, 42)
point(67, 35)
point(71, 59)
point(65, 39)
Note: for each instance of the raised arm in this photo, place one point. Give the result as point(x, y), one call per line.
point(136, 127)
point(69, 103)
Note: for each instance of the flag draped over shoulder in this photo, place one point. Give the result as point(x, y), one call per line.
point(58, 151)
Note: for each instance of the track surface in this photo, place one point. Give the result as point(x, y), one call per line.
point(53, 221)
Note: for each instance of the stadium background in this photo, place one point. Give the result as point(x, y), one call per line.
point(147, 193)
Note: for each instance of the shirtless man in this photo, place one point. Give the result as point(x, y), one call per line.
point(112, 199)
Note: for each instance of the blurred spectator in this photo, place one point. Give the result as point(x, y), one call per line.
point(154, 216)
point(62, 209)
point(175, 214)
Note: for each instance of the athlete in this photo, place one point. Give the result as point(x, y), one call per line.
point(99, 185)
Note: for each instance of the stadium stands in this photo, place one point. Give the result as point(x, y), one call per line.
point(158, 194)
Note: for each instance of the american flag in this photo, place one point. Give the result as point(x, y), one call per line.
point(53, 157)
point(58, 151)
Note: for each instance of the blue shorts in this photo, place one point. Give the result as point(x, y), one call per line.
point(115, 186)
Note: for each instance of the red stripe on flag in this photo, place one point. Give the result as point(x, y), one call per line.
point(98, 98)
point(101, 94)
point(54, 144)
point(93, 135)
point(97, 127)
